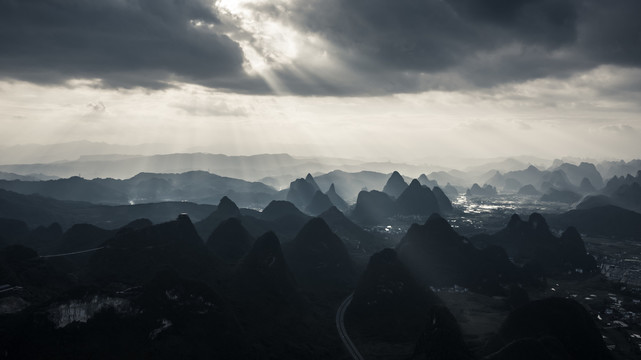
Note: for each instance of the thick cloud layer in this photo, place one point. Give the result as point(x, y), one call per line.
point(122, 42)
point(463, 43)
point(376, 46)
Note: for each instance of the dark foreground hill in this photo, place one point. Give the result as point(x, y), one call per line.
point(553, 328)
point(606, 221)
point(441, 257)
point(533, 242)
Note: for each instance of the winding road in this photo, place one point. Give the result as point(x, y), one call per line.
point(340, 325)
point(72, 253)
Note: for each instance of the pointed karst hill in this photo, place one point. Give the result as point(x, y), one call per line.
point(310, 179)
point(135, 256)
point(529, 190)
point(440, 257)
point(355, 238)
point(477, 191)
point(388, 303)
point(417, 199)
point(573, 251)
point(336, 199)
point(319, 204)
point(301, 192)
point(264, 273)
point(318, 257)
point(450, 191)
point(395, 185)
point(373, 207)
point(226, 209)
point(230, 240)
point(283, 218)
point(83, 237)
point(586, 186)
point(562, 327)
point(444, 203)
point(279, 209)
point(44, 239)
point(427, 182)
point(532, 241)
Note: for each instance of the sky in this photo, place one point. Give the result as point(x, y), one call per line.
point(402, 80)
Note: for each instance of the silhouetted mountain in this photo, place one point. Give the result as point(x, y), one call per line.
point(573, 250)
point(356, 239)
point(199, 319)
point(586, 186)
point(608, 221)
point(137, 225)
point(628, 194)
point(563, 320)
point(118, 166)
point(44, 239)
point(37, 210)
point(83, 237)
point(318, 258)
point(556, 180)
point(30, 177)
point(373, 208)
point(388, 304)
point(529, 190)
point(336, 199)
point(616, 182)
point(22, 266)
point(444, 203)
point(263, 271)
point(301, 192)
point(226, 209)
point(450, 191)
point(440, 257)
point(230, 241)
point(417, 199)
point(136, 256)
point(497, 180)
point(74, 189)
point(442, 338)
point(476, 190)
point(319, 204)
point(609, 169)
point(532, 241)
point(427, 182)
point(576, 174)
point(310, 179)
point(395, 185)
point(443, 177)
point(563, 196)
point(348, 185)
point(199, 186)
point(280, 209)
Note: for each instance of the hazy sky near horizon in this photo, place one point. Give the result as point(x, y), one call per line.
point(388, 80)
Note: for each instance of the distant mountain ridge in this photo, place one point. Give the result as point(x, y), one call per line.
point(194, 186)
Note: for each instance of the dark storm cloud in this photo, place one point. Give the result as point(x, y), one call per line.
point(482, 42)
point(382, 46)
point(122, 42)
